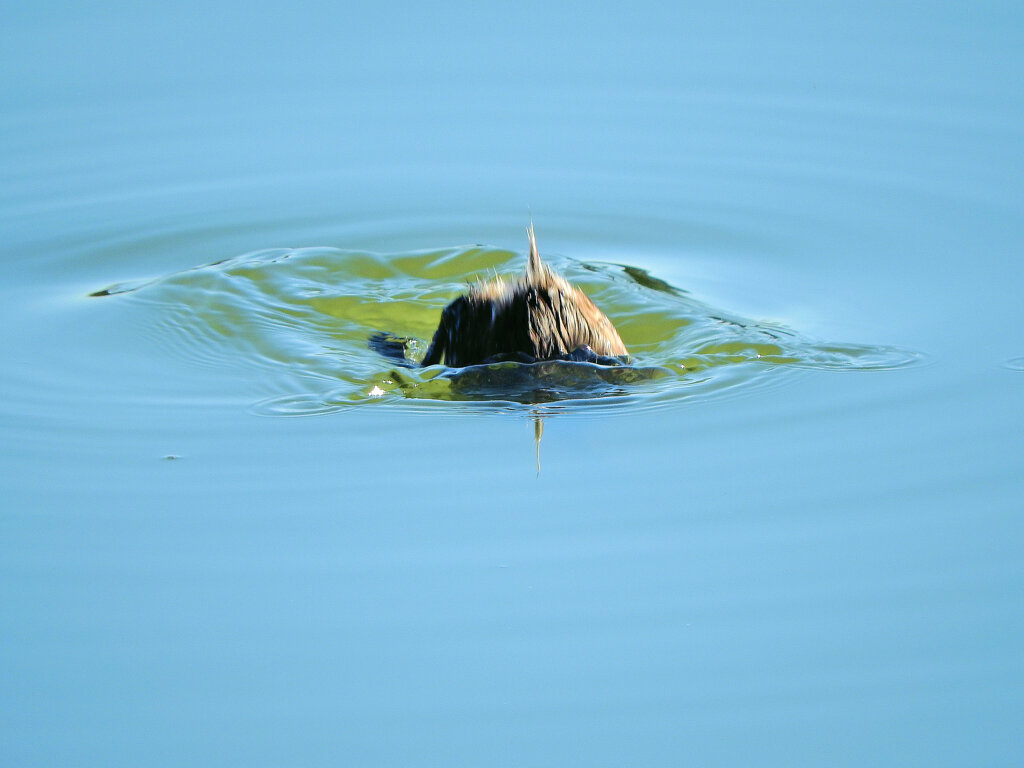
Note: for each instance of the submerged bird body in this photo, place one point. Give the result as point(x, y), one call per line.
point(540, 316)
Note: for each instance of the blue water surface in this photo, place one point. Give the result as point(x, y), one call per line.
point(825, 570)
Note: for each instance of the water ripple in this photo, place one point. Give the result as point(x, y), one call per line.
point(304, 317)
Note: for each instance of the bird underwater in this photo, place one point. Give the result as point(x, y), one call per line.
point(536, 317)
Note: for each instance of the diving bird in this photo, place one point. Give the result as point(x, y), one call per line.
point(538, 316)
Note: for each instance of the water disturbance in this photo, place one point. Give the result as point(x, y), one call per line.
point(307, 318)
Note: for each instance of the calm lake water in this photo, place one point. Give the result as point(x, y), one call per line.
point(797, 544)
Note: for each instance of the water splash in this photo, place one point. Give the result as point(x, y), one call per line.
point(307, 316)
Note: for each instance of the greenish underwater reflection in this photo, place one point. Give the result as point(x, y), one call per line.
point(306, 316)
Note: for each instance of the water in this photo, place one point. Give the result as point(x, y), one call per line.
point(810, 558)
point(312, 319)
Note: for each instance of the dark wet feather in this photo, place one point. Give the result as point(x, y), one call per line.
point(540, 316)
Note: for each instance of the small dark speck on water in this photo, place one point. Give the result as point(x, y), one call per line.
point(171, 457)
point(644, 278)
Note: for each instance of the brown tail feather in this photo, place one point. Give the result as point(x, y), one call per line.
point(533, 265)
